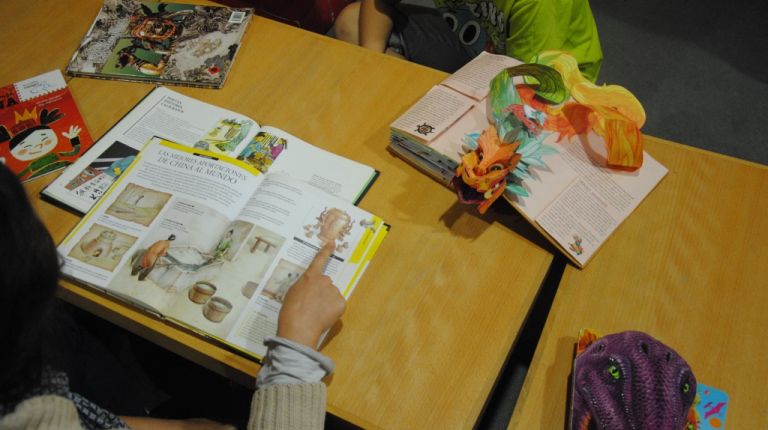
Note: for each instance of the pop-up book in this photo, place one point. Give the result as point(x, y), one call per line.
point(566, 153)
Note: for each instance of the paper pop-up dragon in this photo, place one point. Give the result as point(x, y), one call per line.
point(528, 103)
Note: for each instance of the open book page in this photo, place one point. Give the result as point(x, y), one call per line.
point(432, 114)
point(430, 133)
point(443, 155)
point(176, 117)
point(472, 79)
point(450, 142)
point(274, 150)
point(164, 113)
point(578, 201)
point(156, 231)
point(287, 223)
point(209, 241)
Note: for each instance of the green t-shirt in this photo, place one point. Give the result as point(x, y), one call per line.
point(523, 28)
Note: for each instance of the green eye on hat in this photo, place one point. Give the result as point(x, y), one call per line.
point(614, 371)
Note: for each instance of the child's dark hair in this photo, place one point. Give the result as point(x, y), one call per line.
point(28, 281)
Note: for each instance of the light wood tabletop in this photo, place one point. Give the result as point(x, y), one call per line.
point(689, 268)
point(434, 317)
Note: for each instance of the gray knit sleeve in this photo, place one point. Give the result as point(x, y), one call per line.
point(291, 406)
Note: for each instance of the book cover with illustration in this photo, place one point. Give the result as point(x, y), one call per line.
point(172, 43)
point(41, 129)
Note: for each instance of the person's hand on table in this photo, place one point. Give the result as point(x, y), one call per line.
point(312, 305)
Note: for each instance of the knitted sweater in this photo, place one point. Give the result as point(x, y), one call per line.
point(294, 406)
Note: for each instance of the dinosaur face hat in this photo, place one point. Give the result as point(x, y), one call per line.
point(630, 380)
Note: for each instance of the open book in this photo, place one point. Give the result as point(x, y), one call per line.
point(570, 196)
point(176, 117)
point(41, 129)
point(170, 43)
point(209, 242)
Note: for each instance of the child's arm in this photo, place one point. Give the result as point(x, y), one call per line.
point(375, 24)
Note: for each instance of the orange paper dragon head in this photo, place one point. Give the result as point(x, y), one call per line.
point(481, 177)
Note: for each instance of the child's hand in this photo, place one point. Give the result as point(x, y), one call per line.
point(312, 305)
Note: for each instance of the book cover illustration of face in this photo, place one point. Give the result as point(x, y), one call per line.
point(35, 141)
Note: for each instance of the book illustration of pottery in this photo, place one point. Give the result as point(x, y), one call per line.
point(249, 288)
point(216, 309)
point(118, 251)
point(332, 225)
point(201, 292)
point(100, 245)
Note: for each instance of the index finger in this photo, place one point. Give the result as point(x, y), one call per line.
point(322, 257)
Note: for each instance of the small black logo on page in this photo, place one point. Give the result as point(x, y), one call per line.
point(425, 129)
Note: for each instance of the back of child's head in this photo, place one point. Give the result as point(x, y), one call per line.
point(29, 275)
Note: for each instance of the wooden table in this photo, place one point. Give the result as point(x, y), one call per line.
point(689, 267)
point(433, 319)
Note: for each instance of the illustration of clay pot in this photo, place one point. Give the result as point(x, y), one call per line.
point(118, 252)
point(336, 224)
point(216, 309)
point(201, 291)
point(249, 288)
point(100, 245)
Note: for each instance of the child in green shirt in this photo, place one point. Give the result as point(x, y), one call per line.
point(455, 31)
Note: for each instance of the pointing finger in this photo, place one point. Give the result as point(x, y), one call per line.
point(322, 257)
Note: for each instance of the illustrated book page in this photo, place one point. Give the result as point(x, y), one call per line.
point(41, 129)
point(176, 117)
point(578, 202)
point(172, 43)
point(210, 242)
